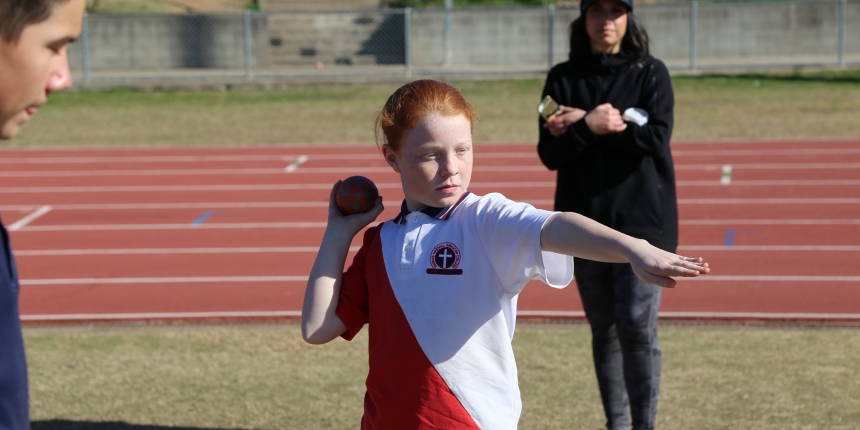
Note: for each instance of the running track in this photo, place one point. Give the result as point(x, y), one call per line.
point(230, 233)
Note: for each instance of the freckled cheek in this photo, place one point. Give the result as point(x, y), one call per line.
point(420, 177)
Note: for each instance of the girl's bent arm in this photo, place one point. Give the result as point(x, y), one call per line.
point(320, 323)
point(573, 234)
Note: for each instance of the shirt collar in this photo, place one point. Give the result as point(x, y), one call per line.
point(436, 213)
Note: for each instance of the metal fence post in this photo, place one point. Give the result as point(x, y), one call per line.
point(694, 5)
point(842, 33)
point(85, 46)
point(550, 15)
point(247, 39)
point(449, 24)
point(407, 60)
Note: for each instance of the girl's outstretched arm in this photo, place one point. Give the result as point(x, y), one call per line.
point(573, 234)
point(320, 324)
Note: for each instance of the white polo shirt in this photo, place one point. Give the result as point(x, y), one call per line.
point(454, 274)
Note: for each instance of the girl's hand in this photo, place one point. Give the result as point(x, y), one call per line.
point(605, 119)
point(655, 266)
point(558, 124)
point(350, 224)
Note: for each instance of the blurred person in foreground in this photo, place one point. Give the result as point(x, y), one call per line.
point(33, 39)
point(610, 145)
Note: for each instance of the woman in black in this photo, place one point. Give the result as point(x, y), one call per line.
point(615, 167)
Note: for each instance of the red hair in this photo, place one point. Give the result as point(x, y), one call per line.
point(414, 101)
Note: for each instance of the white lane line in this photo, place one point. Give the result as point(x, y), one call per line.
point(772, 201)
point(768, 152)
point(21, 223)
point(142, 206)
point(248, 187)
point(770, 222)
point(772, 182)
point(227, 158)
point(220, 226)
point(311, 249)
point(709, 315)
point(368, 155)
point(768, 278)
point(168, 280)
point(165, 172)
point(175, 158)
point(213, 279)
point(769, 166)
point(276, 225)
point(160, 315)
point(292, 167)
point(160, 251)
point(766, 248)
point(520, 313)
point(382, 185)
point(536, 202)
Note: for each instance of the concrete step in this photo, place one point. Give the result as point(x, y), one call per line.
point(349, 60)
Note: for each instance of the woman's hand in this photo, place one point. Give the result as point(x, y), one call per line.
point(350, 225)
point(605, 119)
point(558, 124)
point(655, 266)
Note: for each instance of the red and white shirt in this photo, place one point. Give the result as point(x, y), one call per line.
point(439, 290)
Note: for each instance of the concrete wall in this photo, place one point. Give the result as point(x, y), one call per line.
point(727, 34)
point(137, 41)
point(753, 33)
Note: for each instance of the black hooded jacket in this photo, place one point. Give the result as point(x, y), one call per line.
point(624, 180)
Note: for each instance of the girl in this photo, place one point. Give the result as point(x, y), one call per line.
point(438, 284)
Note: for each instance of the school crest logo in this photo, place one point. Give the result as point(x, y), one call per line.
point(445, 260)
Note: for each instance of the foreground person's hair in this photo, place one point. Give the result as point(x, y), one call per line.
point(15, 15)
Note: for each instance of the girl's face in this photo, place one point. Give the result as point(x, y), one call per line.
point(434, 161)
point(606, 24)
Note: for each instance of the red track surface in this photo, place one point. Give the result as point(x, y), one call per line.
point(120, 242)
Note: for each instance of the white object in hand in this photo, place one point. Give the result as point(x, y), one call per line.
point(636, 116)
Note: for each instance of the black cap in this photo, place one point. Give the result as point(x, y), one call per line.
point(584, 4)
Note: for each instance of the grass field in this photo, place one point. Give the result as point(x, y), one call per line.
point(715, 107)
point(265, 377)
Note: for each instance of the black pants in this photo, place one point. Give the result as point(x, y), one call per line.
point(622, 311)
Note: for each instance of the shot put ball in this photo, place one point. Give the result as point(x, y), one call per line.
point(356, 195)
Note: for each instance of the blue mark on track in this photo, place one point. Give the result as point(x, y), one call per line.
point(202, 218)
point(730, 238)
point(731, 233)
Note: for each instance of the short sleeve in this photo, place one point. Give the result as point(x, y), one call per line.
point(352, 304)
point(510, 236)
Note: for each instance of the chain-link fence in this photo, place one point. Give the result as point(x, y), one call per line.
point(398, 42)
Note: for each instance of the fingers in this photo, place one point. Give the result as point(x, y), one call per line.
point(378, 207)
point(369, 216)
point(605, 119)
point(558, 124)
point(697, 264)
point(332, 200)
point(334, 191)
point(660, 281)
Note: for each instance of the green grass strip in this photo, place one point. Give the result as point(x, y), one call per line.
point(266, 377)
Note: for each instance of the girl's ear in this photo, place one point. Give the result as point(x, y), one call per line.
point(390, 157)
